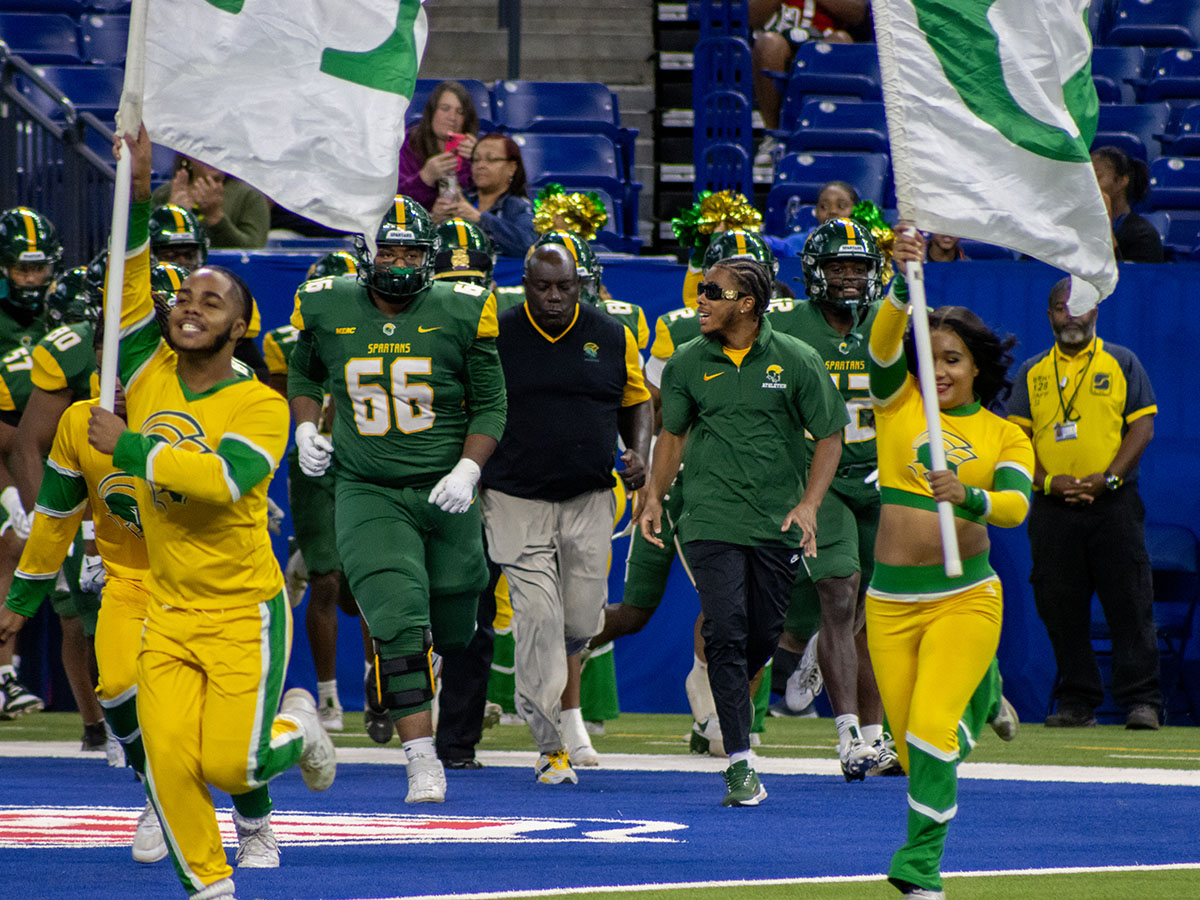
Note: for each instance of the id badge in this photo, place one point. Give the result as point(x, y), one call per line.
point(1065, 431)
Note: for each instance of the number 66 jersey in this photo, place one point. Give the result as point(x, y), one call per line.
point(407, 388)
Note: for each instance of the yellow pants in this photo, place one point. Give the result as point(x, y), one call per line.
point(209, 683)
point(929, 657)
point(118, 635)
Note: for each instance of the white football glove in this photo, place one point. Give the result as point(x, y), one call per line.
point(453, 494)
point(18, 520)
point(316, 450)
point(92, 574)
point(274, 517)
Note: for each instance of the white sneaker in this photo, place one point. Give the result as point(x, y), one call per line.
point(555, 768)
point(1005, 723)
point(218, 890)
point(575, 736)
point(887, 762)
point(765, 155)
point(16, 699)
point(257, 847)
point(707, 738)
point(594, 728)
point(805, 684)
point(318, 760)
point(426, 780)
point(113, 749)
point(858, 758)
point(149, 845)
point(330, 714)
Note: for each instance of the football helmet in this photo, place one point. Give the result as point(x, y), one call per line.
point(842, 239)
point(331, 265)
point(166, 279)
point(463, 253)
point(176, 236)
point(72, 298)
point(27, 237)
point(586, 263)
point(739, 243)
point(406, 224)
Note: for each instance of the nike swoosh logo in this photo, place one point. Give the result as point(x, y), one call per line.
point(424, 330)
point(708, 377)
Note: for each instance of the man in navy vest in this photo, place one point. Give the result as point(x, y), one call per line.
point(574, 382)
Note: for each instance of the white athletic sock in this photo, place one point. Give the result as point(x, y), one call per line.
point(570, 728)
point(418, 748)
point(699, 694)
point(327, 690)
point(872, 733)
point(7, 670)
point(847, 729)
point(739, 756)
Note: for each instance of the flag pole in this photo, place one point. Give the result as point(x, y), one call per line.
point(933, 415)
point(129, 120)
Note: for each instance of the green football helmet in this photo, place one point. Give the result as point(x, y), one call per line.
point(166, 279)
point(740, 244)
point(331, 265)
point(407, 224)
point(586, 263)
point(176, 236)
point(97, 271)
point(72, 298)
point(464, 253)
point(28, 238)
point(842, 239)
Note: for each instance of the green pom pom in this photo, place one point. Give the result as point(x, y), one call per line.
point(868, 214)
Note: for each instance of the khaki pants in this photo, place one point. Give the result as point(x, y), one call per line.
point(555, 558)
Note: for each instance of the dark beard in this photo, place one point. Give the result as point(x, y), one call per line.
point(215, 346)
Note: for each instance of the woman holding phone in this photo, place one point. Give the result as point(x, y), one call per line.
point(438, 149)
point(498, 203)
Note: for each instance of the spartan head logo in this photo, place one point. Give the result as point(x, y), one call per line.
point(774, 373)
point(179, 430)
point(958, 453)
point(119, 494)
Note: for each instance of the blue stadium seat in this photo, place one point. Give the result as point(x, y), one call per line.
point(795, 97)
point(1114, 70)
point(784, 218)
point(721, 64)
point(41, 39)
point(1175, 183)
point(723, 117)
point(823, 68)
point(725, 167)
point(828, 125)
point(981, 250)
point(1099, 20)
point(1156, 23)
point(1185, 139)
point(70, 7)
point(480, 96)
point(1137, 130)
point(572, 159)
point(105, 39)
point(1179, 230)
point(109, 6)
point(564, 107)
point(95, 89)
point(804, 173)
point(1176, 73)
point(720, 17)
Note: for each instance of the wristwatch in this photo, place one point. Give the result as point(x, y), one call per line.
point(1113, 480)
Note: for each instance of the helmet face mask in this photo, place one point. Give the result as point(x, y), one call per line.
point(587, 264)
point(393, 278)
point(463, 253)
point(834, 272)
point(31, 257)
point(178, 237)
point(740, 244)
point(72, 299)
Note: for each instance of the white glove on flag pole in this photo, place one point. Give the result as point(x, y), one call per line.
point(303, 99)
point(991, 111)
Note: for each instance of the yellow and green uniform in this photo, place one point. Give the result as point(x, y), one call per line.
point(16, 366)
point(15, 334)
point(76, 476)
point(407, 390)
point(218, 628)
point(65, 360)
point(933, 638)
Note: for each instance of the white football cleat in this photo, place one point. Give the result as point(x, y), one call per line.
point(318, 760)
point(426, 780)
point(149, 845)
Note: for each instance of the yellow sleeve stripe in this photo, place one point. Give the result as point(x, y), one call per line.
point(255, 325)
point(635, 385)
point(489, 326)
point(276, 363)
point(643, 332)
point(1144, 411)
point(6, 400)
point(1021, 420)
point(297, 318)
point(47, 372)
point(663, 347)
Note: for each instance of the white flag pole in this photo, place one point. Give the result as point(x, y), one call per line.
point(129, 121)
point(933, 414)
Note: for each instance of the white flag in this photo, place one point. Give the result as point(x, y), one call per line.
point(303, 99)
point(991, 110)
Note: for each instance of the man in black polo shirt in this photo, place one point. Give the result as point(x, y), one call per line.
point(740, 398)
point(574, 382)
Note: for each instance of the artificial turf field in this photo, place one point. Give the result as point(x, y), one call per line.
point(1093, 813)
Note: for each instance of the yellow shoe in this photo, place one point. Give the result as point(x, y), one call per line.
point(555, 768)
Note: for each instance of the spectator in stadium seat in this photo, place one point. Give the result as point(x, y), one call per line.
point(780, 26)
point(234, 213)
point(424, 160)
point(943, 248)
point(499, 203)
point(1124, 182)
point(835, 200)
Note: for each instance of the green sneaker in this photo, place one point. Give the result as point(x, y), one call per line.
point(744, 787)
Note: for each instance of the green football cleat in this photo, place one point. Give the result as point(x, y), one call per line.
point(744, 787)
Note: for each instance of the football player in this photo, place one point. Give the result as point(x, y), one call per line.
point(30, 258)
point(176, 236)
point(464, 253)
point(419, 406)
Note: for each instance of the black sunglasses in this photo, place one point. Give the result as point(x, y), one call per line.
point(713, 291)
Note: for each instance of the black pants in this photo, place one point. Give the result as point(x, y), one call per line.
point(1099, 548)
point(465, 676)
point(744, 595)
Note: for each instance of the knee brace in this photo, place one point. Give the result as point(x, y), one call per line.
point(404, 684)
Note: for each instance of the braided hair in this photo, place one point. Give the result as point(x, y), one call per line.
point(751, 277)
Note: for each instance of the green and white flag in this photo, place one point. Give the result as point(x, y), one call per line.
point(303, 99)
point(991, 111)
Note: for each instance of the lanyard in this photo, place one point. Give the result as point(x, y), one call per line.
point(1068, 406)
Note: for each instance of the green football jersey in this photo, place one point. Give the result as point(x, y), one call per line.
point(407, 388)
point(14, 334)
point(845, 358)
point(632, 317)
point(65, 359)
point(16, 365)
point(278, 344)
point(508, 297)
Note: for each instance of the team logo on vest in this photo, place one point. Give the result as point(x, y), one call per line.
point(389, 329)
point(775, 377)
point(958, 453)
point(1102, 384)
point(591, 351)
point(181, 431)
point(120, 496)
